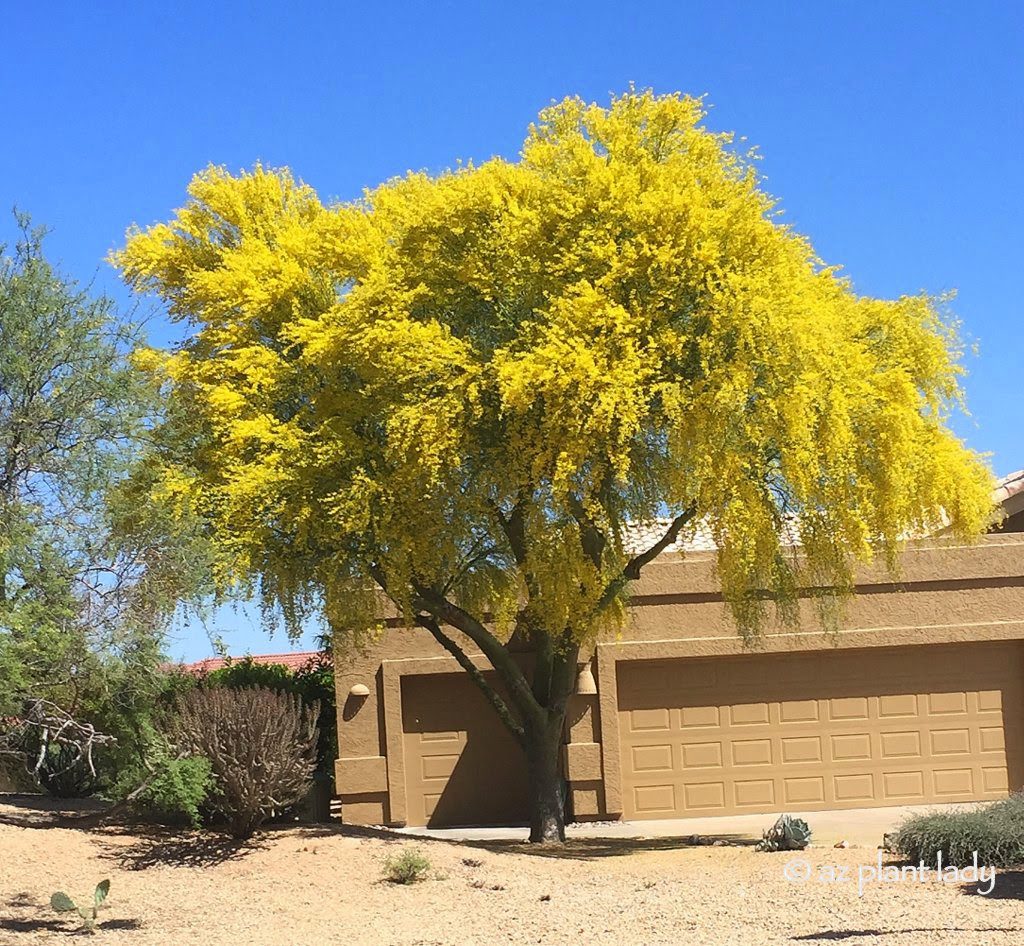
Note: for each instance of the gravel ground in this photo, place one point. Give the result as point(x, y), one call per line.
point(311, 886)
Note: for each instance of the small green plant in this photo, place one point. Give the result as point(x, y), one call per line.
point(787, 834)
point(407, 867)
point(62, 903)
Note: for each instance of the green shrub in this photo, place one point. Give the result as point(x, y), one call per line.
point(178, 792)
point(406, 867)
point(134, 714)
point(246, 672)
point(995, 831)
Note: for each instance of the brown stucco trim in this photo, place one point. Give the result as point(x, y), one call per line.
point(582, 761)
point(995, 556)
point(361, 775)
point(609, 654)
point(880, 588)
point(392, 672)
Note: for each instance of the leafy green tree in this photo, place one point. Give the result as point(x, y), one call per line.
point(88, 575)
point(460, 390)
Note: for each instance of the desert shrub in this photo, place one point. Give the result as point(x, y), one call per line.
point(406, 867)
point(261, 746)
point(995, 831)
point(314, 683)
point(133, 712)
point(179, 791)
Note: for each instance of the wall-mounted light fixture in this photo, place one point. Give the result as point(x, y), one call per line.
point(585, 684)
point(359, 691)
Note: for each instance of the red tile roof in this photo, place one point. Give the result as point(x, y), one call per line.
point(296, 660)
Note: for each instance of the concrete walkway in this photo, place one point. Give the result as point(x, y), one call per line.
point(859, 827)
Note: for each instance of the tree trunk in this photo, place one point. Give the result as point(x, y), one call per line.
point(543, 760)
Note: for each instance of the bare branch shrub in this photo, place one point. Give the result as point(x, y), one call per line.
point(43, 726)
point(261, 745)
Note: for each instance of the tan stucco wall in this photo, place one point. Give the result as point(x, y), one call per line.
point(944, 592)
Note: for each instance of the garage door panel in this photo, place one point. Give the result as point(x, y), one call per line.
point(654, 759)
point(859, 787)
point(836, 729)
point(901, 744)
point(698, 717)
point(650, 720)
point(897, 705)
point(799, 711)
point(754, 793)
point(993, 779)
point(701, 755)
point(809, 790)
point(796, 749)
point(751, 752)
point(850, 747)
point(952, 782)
point(651, 799)
point(992, 738)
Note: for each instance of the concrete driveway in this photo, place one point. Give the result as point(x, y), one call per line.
point(859, 827)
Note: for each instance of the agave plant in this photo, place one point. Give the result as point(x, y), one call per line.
point(62, 903)
point(787, 834)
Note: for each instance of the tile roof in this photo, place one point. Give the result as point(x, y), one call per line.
point(1009, 486)
point(638, 536)
point(296, 660)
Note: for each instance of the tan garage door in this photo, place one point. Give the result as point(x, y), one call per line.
point(833, 729)
point(462, 767)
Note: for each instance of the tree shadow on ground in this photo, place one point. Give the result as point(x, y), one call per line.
point(145, 845)
point(175, 849)
point(45, 811)
point(68, 928)
point(835, 936)
point(161, 847)
point(1009, 885)
point(594, 848)
point(573, 849)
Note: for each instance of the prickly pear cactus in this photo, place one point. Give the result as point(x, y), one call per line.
point(787, 834)
point(62, 903)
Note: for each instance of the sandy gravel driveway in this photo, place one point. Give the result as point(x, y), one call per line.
point(315, 886)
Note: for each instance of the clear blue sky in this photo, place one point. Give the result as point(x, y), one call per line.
point(893, 132)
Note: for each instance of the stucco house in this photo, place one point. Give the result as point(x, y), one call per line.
point(918, 699)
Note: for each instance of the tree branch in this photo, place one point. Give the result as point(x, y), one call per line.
point(512, 724)
point(637, 562)
point(591, 537)
point(631, 570)
point(446, 612)
point(429, 600)
point(514, 527)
